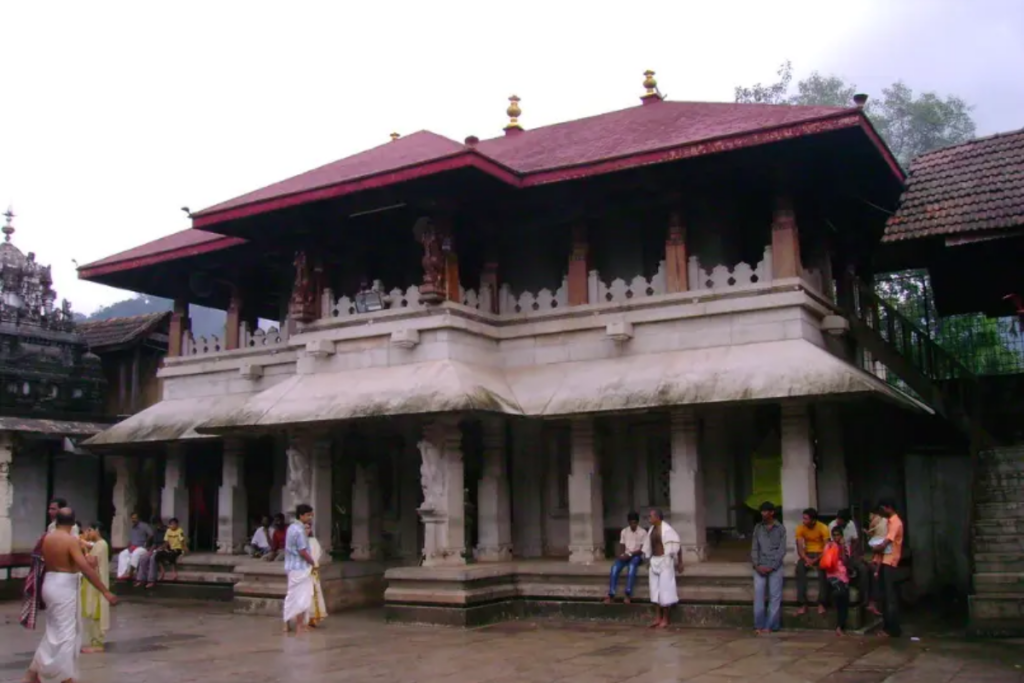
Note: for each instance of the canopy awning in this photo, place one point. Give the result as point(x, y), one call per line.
point(168, 420)
point(50, 427)
point(723, 374)
point(441, 386)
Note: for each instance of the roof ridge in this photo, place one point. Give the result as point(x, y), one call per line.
point(972, 141)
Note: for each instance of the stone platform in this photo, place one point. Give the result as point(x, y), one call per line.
point(712, 595)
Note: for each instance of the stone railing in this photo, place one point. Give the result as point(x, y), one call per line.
point(257, 339)
point(345, 306)
point(723, 277)
point(528, 302)
point(621, 291)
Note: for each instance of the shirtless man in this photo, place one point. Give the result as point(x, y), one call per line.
point(56, 659)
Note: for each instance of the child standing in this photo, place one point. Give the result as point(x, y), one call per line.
point(838, 576)
point(95, 609)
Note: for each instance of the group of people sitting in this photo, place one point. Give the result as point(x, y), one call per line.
point(152, 550)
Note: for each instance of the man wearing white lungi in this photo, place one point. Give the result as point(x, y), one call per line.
point(139, 537)
point(662, 549)
point(298, 565)
point(56, 659)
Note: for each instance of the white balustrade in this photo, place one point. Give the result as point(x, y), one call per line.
point(260, 338)
point(620, 291)
point(191, 346)
point(527, 302)
point(723, 277)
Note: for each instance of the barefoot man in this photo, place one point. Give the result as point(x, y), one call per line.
point(298, 565)
point(661, 548)
point(56, 659)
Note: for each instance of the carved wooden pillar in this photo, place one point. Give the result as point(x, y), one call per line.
point(451, 259)
point(304, 305)
point(232, 336)
point(489, 284)
point(434, 288)
point(676, 276)
point(785, 240)
point(579, 266)
point(180, 324)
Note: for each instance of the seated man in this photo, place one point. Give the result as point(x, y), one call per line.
point(277, 539)
point(146, 574)
point(138, 538)
point(631, 546)
point(811, 537)
point(260, 543)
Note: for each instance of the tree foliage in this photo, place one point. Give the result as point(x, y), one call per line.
point(911, 124)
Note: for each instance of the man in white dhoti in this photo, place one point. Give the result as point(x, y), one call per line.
point(56, 659)
point(139, 537)
point(662, 549)
point(298, 565)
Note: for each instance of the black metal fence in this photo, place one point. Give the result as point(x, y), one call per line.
point(986, 346)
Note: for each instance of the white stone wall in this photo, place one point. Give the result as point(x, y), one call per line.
point(76, 478)
point(28, 509)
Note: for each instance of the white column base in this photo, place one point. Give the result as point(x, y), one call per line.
point(231, 523)
point(799, 481)
point(586, 506)
point(686, 487)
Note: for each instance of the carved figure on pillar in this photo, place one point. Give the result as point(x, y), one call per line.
point(579, 266)
point(433, 289)
point(299, 484)
point(443, 509)
point(303, 306)
point(431, 475)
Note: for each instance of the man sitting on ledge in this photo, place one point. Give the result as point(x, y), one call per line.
point(631, 554)
point(138, 538)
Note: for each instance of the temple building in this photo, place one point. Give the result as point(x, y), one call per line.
point(481, 355)
point(51, 394)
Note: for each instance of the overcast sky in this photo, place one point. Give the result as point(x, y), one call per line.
point(115, 114)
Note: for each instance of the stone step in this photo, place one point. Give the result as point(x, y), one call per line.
point(999, 544)
point(1011, 454)
point(1000, 494)
point(999, 527)
point(176, 590)
point(991, 511)
point(1008, 583)
point(998, 563)
point(996, 606)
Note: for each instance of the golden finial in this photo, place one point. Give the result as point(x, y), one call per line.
point(652, 94)
point(395, 136)
point(514, 112)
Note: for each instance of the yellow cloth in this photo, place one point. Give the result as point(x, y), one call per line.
point(175, 538)
point(94, 607)
point(814, 537)
point(766, 468)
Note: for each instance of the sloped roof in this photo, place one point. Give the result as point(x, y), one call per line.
point(976, 187)
point(116, 331)
point(181, 244)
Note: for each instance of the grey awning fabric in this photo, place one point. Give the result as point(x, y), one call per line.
point(441, 386)
point(168, 420)
point(54, 427)
point(723, 374)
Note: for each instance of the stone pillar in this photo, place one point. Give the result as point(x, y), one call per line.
point(180, 324)
point(586, 506)
point(232, 512)
point(798, 479)
point(298, 487)
point(408, 499)
point(125, 500)
point(785, 240)
point(444, 506)
point(579, 266)
point(833, 488)
point(233, 324)
point(494, 514)
point(528, 489)
point(174, 496)
point(716, 455)
point(686, 486)
point(6, 493)
point(321, 497)
point(365, 513)
point(278, 487)
point(677, 278)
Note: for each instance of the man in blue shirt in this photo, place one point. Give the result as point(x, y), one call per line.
point(298, 565)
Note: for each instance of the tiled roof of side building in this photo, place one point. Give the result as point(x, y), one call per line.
point(974, 187)
point(115, 331)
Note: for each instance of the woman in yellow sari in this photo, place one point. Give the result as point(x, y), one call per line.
point(318, 608)
point(95, 610)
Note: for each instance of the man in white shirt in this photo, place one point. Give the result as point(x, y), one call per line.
point(260, 543)
point(844, 520)
point(631, 546)
point(55, 505)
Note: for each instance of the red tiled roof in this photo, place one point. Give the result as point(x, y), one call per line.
point(115, 331)
point(640, 129)
point(185, 243)
point(975, 187)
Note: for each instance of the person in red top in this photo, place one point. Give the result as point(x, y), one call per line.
point(277, 538)
point(891, 551)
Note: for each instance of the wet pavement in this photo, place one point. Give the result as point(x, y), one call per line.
point(156, 642)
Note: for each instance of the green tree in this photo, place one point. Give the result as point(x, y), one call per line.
point(910, 124)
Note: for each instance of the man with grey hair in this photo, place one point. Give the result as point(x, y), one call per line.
point(662, 548)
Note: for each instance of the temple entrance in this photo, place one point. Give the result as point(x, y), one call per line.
point(202, 475)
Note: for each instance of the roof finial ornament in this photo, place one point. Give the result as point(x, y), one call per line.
point(514, 112)
point(652, 94)
point(395, 136)
point(8, 229)
point(859, 100)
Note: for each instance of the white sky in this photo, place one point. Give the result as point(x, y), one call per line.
point(118, 113)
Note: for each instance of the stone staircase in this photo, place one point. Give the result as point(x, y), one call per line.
point(997, 606)
point(201, 576)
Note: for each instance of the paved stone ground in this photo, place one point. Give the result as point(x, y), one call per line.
point(155, 642)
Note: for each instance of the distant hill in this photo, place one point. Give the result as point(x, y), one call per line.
point(205, 321)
